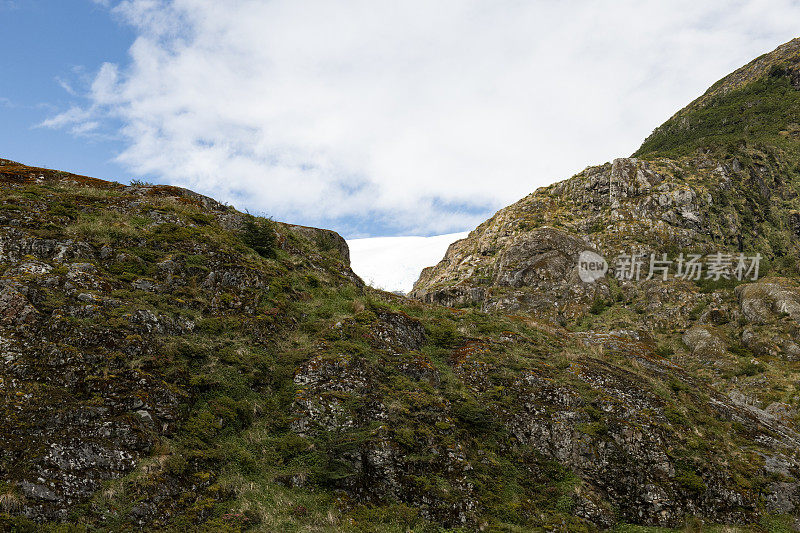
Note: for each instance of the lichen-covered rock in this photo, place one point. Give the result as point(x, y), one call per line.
point(537, 272)
point(15, 309)
point(399, 331)
point(325, 239)
point(763, 300)
point(705, 342)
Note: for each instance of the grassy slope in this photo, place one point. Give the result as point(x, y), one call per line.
point(231, 460)
point(235, 372)
point(764, 112)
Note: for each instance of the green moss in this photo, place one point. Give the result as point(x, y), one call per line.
point(442, 333)
point(664, 350)
point(750, 369)
point(592, 428)
point(217, 325)
point(598, 306)
point(690, 481)
point(675, 416)
point(170, 233)
point(777, 523)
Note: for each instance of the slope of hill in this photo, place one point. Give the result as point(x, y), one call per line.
point(719, 180)
point(724, 172)
point(170, 364)
point(759, 102)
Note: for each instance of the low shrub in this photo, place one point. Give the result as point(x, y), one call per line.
point(259, 234)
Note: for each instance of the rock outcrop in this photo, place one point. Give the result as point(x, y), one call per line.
point(718, 182)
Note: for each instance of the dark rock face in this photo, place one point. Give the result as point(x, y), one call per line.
point(71, 430)
point(399, 331)
point(546, 264)
point(537, 272)
point(795, 77)
point(15, 308)
point(325, 239)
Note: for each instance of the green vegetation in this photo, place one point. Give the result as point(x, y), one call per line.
point(766, 111)
point(691, 481)
point(235, 460)
point(598, 306)
point(259, 234)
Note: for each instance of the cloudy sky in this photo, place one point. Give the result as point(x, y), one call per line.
point(394, 263)
point(371, 117)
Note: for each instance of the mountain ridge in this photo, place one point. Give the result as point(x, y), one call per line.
point(719, 178)
point(182, 365)
point(168, 363)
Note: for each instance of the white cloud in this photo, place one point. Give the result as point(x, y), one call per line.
point(74, 116)
point(394, 263)
point(64, 84)
point(414, 116)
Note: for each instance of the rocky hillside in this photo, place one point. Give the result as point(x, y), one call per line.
point(170, 364)
point(720, 180)
point(723, 174)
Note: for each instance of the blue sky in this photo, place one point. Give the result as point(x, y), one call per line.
point(370, 117)
point(42, 42)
